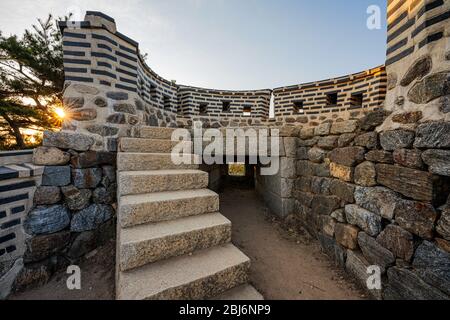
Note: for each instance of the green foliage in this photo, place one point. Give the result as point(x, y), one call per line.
point(31, 81)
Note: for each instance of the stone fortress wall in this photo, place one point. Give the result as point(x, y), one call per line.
point(344, 97)
point(376, 191)
point(96, 53)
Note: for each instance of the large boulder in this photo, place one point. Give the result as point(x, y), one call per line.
point(443, 225)
point(438, 161)
point(366, 220)
point(404, 284)
point(379, 200)
point(50, 156)
point(91, 217)
point(47, 219)
point(44, 246)
point(57, 176)
point(346, 235)
point(433, 135)
point(47, 195)
point(416, 217)
point(375, 253)
point(76, 199)
point(399, 241)
point(433, 266)
point(86, 178)
point(66, 140)
point(365, 174)
point(396, 139)
point(348, 156)
point(430, 88)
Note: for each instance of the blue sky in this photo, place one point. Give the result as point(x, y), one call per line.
point(233, 44)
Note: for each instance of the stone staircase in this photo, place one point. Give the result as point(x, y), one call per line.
point(172, 243)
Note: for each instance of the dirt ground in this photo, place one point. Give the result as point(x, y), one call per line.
point(285, 265)
point(97, 280)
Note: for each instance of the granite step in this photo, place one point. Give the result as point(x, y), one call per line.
point(164, 206)
point(149, 243)
point(139, 145)
point(243, 292)
point(156, 132)
point(151, 161)
point(138, 182)
point(202, 275)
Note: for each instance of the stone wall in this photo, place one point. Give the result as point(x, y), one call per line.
point(18, 181)
point(69, 208)
point(277, 190)
point(417, 62)
point(379, 199)
point(110, 88)
point(355, 95)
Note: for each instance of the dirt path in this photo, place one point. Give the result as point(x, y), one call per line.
point(284, 265)
point(97, 280)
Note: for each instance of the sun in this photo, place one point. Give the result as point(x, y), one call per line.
point(60, 112)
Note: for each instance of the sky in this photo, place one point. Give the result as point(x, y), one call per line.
point(233, 44)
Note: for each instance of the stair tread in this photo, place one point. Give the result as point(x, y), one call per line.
point(161, 172)
point(243, 292)
point(165, 196)
point(157, 132)
point(138, 161)
point(161, 229)
point(157, 277)
point(148, 145)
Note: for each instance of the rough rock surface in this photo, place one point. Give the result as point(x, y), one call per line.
point(416, 217)
point(57, 176)
point(375, 253)
point(50, 156)
point(86, 178)
point(396, 139)
point(430, 88)
point(411, 158)
point(47, 219)
point(399, 241)
point(366, 220)
point(416, 184)
point(433, 266)
point(404, 284)
point(433, 135)
point(438, 161)
point(91, 217)
point(44, 246)
point(379, 200)
point(348, 156)
point(76, 199)
point(346, 235)
point(65, 140)
point(418, 70)
point(365, 174)
point(47, 195)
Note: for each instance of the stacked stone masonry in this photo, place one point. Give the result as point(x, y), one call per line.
point(114, 73)
point(379, 199)
point(364, 163)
